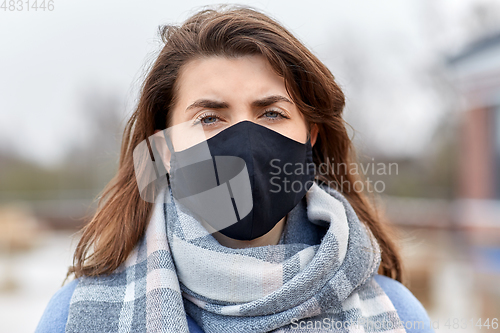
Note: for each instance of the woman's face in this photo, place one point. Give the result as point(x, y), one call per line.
point(217, 92)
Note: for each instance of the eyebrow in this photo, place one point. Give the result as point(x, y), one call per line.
point(263, 102)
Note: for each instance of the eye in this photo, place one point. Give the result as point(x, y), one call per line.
point(274, 114)
point(207, 119)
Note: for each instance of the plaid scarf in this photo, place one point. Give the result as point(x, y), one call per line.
point(318, 278)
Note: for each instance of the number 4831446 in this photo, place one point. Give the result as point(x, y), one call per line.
point(456, 323)
point(27, 5)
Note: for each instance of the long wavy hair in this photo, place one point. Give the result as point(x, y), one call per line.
point(227, 31)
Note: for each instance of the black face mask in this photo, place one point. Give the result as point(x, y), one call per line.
point(254, 178)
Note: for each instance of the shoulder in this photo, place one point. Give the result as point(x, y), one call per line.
point(55, 316)
point(56, 313)
point(409, 309)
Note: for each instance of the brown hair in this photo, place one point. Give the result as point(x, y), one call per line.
point(122, 215)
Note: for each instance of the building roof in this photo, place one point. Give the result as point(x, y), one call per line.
point(477, 47)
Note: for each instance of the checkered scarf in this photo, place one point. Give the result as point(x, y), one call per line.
point(319, 275)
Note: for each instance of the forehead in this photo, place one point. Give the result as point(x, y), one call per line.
point(235, 76)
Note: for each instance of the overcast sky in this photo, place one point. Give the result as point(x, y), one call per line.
point(49, 59)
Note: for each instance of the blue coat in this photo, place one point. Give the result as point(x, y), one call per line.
point(408, 307)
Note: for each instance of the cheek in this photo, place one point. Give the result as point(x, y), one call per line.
point(295, 130)
point(177, 116)
point(302, 129)
point(298, 128)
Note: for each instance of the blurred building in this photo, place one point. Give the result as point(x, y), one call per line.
point(476, 72)
point(451, 245)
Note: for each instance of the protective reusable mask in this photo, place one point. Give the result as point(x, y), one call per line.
point(254, 178)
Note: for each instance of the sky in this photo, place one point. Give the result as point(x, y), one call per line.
point(51, 60)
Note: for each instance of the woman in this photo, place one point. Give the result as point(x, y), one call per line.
point(223, 245)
